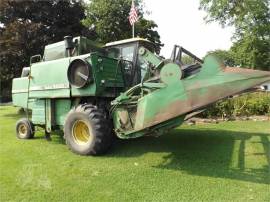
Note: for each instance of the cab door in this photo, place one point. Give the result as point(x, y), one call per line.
point(129, 61)
point(128, 55)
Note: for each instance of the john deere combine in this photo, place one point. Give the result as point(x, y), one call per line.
point(123, 88)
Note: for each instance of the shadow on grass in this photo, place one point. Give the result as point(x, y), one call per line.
point(213, 153)
point(56, 136)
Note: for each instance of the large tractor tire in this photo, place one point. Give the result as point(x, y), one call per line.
point(25, 129)
point(87, 130)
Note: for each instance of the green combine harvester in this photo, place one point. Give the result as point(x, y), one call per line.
point(122, 89)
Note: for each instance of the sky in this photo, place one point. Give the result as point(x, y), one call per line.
point(181, 22)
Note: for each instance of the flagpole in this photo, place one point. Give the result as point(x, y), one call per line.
point(133, 30)
point(133, 17)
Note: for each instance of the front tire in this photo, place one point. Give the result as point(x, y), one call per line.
point(87, 130)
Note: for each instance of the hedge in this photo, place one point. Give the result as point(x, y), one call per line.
point(245, 105)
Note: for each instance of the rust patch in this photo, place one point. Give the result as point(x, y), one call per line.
point(123, 115)
point(244, 70)
point(173, 110)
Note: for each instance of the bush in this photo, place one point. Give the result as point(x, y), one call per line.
point(5, 92)
point(244, 105)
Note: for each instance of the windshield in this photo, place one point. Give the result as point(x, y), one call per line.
point(127, 53)
point(143, 66)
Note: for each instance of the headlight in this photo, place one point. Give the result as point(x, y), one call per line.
point(79, 73)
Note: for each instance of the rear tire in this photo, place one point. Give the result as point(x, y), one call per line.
point(25, 129)
point(87, 130)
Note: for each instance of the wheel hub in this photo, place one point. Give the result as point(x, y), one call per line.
point(81, 132)
point(22, 130)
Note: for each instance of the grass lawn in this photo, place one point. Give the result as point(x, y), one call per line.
point(215, 162)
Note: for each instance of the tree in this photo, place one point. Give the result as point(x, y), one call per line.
point(224, 56)
point(187, 60)
point(251, 52)
point(251, 19)
point(27, 26)
point(245, 15)
point(109, 20)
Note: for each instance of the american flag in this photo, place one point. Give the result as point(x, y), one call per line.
point(133, 16)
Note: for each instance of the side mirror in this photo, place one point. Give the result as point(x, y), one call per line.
point(35, 59)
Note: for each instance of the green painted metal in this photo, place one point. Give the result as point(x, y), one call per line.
point(61, 107)
point(19, 91)
point(170, 73)
point(49, 119)
point(149, 56)
point(82, 46)
point(107, 76)
point(49, 79)
point(38, 112)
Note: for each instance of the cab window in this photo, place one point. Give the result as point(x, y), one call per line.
point(141, 63)
point(114, 52)
point(128, 53)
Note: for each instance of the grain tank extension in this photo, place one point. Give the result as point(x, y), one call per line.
point(93, 92)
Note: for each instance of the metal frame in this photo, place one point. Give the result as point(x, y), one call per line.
point(177, 52)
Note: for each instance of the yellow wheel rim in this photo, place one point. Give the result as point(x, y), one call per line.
point(22, 130)
point(81, 132)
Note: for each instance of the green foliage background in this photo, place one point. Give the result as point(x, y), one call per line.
point(245, 105)
point(109, 21)
point(251, 19)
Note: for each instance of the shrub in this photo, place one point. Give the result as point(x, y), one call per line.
point(245, 105)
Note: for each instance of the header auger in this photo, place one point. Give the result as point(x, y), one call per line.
point(95, 92)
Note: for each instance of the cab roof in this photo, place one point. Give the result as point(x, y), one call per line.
point(127, 41)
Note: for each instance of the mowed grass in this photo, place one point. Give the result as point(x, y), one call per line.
point(214, 162)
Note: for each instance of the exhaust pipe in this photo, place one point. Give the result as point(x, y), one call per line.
point(69, 45)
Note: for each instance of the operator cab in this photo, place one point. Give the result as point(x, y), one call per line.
point(127, 50)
